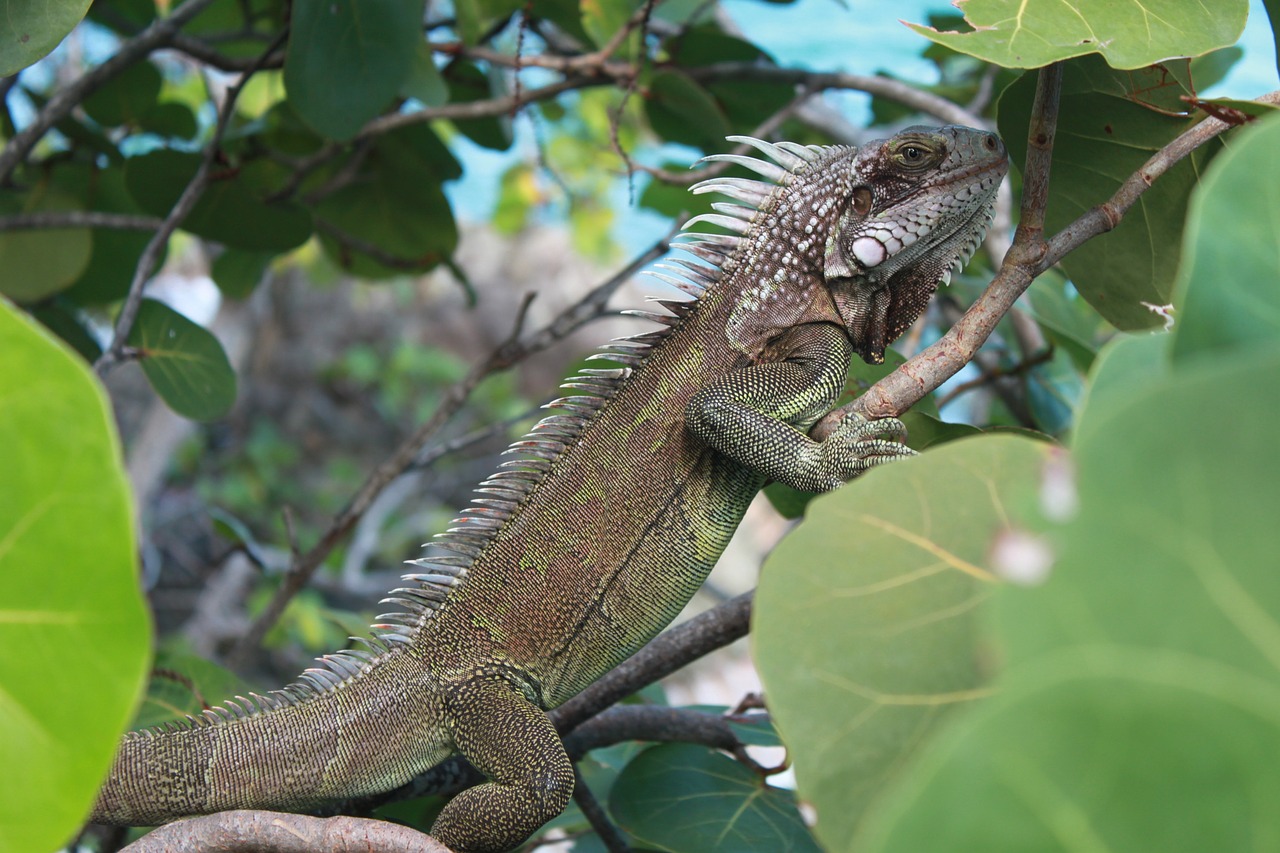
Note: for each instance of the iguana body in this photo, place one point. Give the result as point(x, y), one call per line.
point(615, 508)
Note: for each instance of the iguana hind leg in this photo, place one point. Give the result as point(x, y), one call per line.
point(758, 415)
point(512, 742)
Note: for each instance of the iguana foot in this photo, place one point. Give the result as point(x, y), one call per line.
point(858, 444)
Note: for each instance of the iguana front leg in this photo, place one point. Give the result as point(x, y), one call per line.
point(757, 415)
point(512, 742)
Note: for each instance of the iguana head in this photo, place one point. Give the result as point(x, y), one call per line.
point(918, 206)
point(860, 236)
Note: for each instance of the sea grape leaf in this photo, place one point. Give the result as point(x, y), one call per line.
point(71, 609)
point(40, 262)
point(348, 58)
point(1226, 294)
point(115, 254)
point(184, 362)
point(686, 798)
point(1110, 123)
point(1140, 708)
point(1127, 33)
point(232, 209)
point(868, 621)
point(32, 28)
point(126, 97)
point(680, 110)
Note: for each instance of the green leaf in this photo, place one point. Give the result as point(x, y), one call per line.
point(231, 210)
point(184, 684)
point(601, 19)
point(1273, 15)
point(1140, 709)
point(1066, 319)
point(348, 58)
point(396, 205)
point(868, 618)
point(476, 17)
point(237, 273)
point(467, 83)
point(685, 798)
point(679, 110)
point(424, 81)
point(32, 28)
point(115, 254)
point(1127, 33)
point(125, 98)
point(1227, 294)
point(184, 363)
point(1110, 124)
point(61, 318)
point(71, 611)
point(40, 262)
point(169, 119)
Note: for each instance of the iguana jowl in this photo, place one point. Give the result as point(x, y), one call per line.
point(614, 509)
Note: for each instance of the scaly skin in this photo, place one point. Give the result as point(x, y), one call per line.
point(589, 544)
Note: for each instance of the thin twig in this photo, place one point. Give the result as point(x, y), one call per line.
point(160, 32)
point(614, 840)
point(79, 219)
point(351, 242)
point(186, 202)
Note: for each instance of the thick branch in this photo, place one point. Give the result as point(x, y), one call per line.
point(651, 723)
point(275, 832)
point(664, 654)
point(1030, 255)
point(158, 34)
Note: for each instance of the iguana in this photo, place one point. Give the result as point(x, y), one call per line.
point(614, 509)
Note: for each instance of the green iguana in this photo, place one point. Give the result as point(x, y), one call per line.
point(614, 509)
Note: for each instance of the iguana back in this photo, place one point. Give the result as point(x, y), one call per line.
point(614, 508)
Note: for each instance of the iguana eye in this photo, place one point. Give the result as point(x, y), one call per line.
point(862, 201)
point(915, 156)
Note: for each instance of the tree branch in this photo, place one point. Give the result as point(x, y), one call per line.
point(157, 34)
point(247, 831)
point(663, 655)
point(1029, 256)
point(79, 219)
point(186, 202)
point(654, 723)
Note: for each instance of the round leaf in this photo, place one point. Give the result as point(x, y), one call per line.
point(1128, 33)
point(868, 617)
point(125, 98)
point(685, 798)
point(184, 363)
point(1141, 708)
point(32, 28)
point(348, 58)
point(71, 612)
point(38, 263)
point(1227, 282)
point(1105, 134)
point(231, 209)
